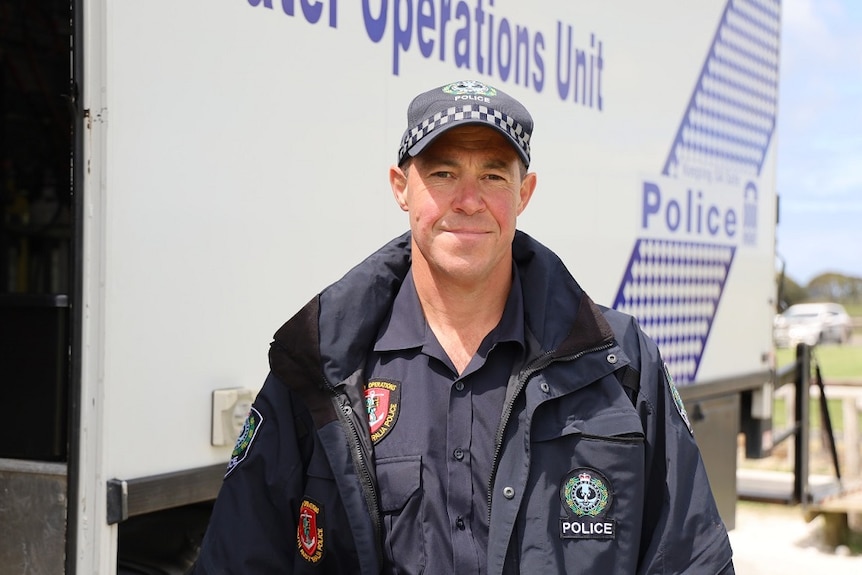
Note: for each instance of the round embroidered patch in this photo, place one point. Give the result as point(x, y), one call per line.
point(585, 492)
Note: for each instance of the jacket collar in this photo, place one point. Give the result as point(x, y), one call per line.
point(328, 340)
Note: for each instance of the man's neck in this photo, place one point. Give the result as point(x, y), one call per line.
point(461, 316)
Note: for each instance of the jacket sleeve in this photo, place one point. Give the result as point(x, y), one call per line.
point(682, 530)
point(253, 525)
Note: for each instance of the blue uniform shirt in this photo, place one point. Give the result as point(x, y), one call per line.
point(433, 434)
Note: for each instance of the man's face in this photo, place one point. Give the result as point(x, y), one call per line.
point(463, 194)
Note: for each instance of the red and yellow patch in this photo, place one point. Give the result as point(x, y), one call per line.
point(309, 531)
point(382, 400)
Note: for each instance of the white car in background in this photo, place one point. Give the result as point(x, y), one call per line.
point(812, 323)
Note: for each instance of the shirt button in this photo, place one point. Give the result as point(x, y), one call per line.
point(458, 453)
point(459, 523)
point(544, 386)
point(459, 385)
point(508, 492)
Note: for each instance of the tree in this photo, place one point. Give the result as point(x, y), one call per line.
point(835, 287)
point(789, 292)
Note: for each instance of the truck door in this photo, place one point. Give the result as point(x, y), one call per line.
point(37, 231)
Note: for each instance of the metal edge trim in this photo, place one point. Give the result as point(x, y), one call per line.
point(725, 386)
point(131, 497)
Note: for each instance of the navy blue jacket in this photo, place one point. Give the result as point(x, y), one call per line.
point(595, 471)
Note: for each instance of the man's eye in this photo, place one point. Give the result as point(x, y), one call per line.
point(442, 174)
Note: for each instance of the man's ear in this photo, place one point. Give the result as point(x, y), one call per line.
point(528, 186)
point(398, 183)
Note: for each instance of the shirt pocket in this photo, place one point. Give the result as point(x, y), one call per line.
point(612, 442)
point(617, 425)
point(605, 448)
point(400, 487)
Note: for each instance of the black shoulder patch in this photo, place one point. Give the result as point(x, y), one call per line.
point(252, 424)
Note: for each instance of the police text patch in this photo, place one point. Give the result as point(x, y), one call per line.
point(587, 496)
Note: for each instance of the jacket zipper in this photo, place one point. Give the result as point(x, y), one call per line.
point(361, 462)
point(538, 365)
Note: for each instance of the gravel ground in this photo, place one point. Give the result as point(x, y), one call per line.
point(774, 539)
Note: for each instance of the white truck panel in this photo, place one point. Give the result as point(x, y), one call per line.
point(240, 166)
point(229, 160)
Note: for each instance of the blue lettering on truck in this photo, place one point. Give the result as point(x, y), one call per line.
point(475, 37)
point(311, 11)
point(689, 214)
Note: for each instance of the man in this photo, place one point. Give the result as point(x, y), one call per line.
point(457, 404)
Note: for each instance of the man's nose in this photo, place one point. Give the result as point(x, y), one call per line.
point(468, 197)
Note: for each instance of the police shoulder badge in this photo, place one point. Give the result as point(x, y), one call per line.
point(309, 531)
point(382, 401)
point(587, 497)
point(252, 424)
point(677, 400)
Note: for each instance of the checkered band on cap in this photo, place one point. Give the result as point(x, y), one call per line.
point(467, 112)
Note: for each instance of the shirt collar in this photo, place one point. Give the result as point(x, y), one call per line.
point(406, 328)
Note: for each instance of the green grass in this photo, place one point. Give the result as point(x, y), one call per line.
point(836, 361)
point(853, 309)
point(836, 415)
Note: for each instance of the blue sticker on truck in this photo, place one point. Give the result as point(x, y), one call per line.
point(703, 206)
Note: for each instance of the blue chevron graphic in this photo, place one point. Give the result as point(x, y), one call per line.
point(673, 287)
point(731, 114)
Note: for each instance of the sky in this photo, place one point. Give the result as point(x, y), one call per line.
point(819, 130)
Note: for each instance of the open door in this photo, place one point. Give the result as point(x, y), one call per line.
point(37, 231)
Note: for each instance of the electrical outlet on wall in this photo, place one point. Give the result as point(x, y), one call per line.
point(229, 410)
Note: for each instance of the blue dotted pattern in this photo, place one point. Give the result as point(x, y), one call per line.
point(673, 288)
point(731, 114)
